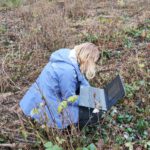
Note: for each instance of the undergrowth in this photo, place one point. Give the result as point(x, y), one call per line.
point(31, 32)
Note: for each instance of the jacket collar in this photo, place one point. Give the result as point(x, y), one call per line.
point(73, 58)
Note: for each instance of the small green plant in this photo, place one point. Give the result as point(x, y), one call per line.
point(120, 140)
point(106, 54)
point(2, 139)
point(89, 147)
point(134, 32)
point(64, 103)
point(91, 38)
point(51, 146)
point(129, 145)
point(124, 118)
point(10, 3)
point(141, 125)
point(2, 29)
point(104, 135)
point(141, 32)
point(131, 89)
point(105, 20)
point(128, 43)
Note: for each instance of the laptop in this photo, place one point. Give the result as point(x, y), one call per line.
point(105, 98)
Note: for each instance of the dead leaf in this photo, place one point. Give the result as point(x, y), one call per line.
point(5, 95)
point(139, 148)
point(100, 144)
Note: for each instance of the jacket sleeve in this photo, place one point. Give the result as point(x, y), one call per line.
point(84, 82)
point(68, 85)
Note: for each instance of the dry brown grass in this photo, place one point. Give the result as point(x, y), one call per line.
point(41, 27)
point(30, 33)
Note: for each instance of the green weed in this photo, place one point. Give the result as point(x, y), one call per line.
point(120, 140)
point(128, 42)
point(10, 3)
point(91, 38)
point(124, 118)
point(105, 20)
point(142, 32)
point(141, 125)
point(131, 89)
point(2, 29)
point(50, 146)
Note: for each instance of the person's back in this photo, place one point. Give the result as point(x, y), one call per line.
point(60, 79)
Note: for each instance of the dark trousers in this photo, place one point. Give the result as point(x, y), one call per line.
point(87, 117)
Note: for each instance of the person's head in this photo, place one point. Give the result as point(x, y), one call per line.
point(87, 55)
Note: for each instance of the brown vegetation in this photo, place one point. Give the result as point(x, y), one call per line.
point(30, 32)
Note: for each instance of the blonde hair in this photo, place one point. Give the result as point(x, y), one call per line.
point(87, 55)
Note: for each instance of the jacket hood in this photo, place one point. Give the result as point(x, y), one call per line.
point(61, 55)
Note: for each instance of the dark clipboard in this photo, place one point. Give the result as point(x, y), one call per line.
point(114, 91)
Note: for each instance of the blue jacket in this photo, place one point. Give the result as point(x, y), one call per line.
point(60, 79)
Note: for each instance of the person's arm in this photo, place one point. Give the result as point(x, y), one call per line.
point(68, 85)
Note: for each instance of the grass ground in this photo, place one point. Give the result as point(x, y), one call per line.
point(31, 31)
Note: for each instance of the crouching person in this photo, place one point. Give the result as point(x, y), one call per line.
point(61, 78)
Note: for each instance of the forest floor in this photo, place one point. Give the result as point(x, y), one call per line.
point(31, 31)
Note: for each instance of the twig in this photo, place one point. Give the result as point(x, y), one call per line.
point(106, 70)
point(25, 141)
point(37, 132)
point(3, 70)
point(137, 12)
point(12, 145)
